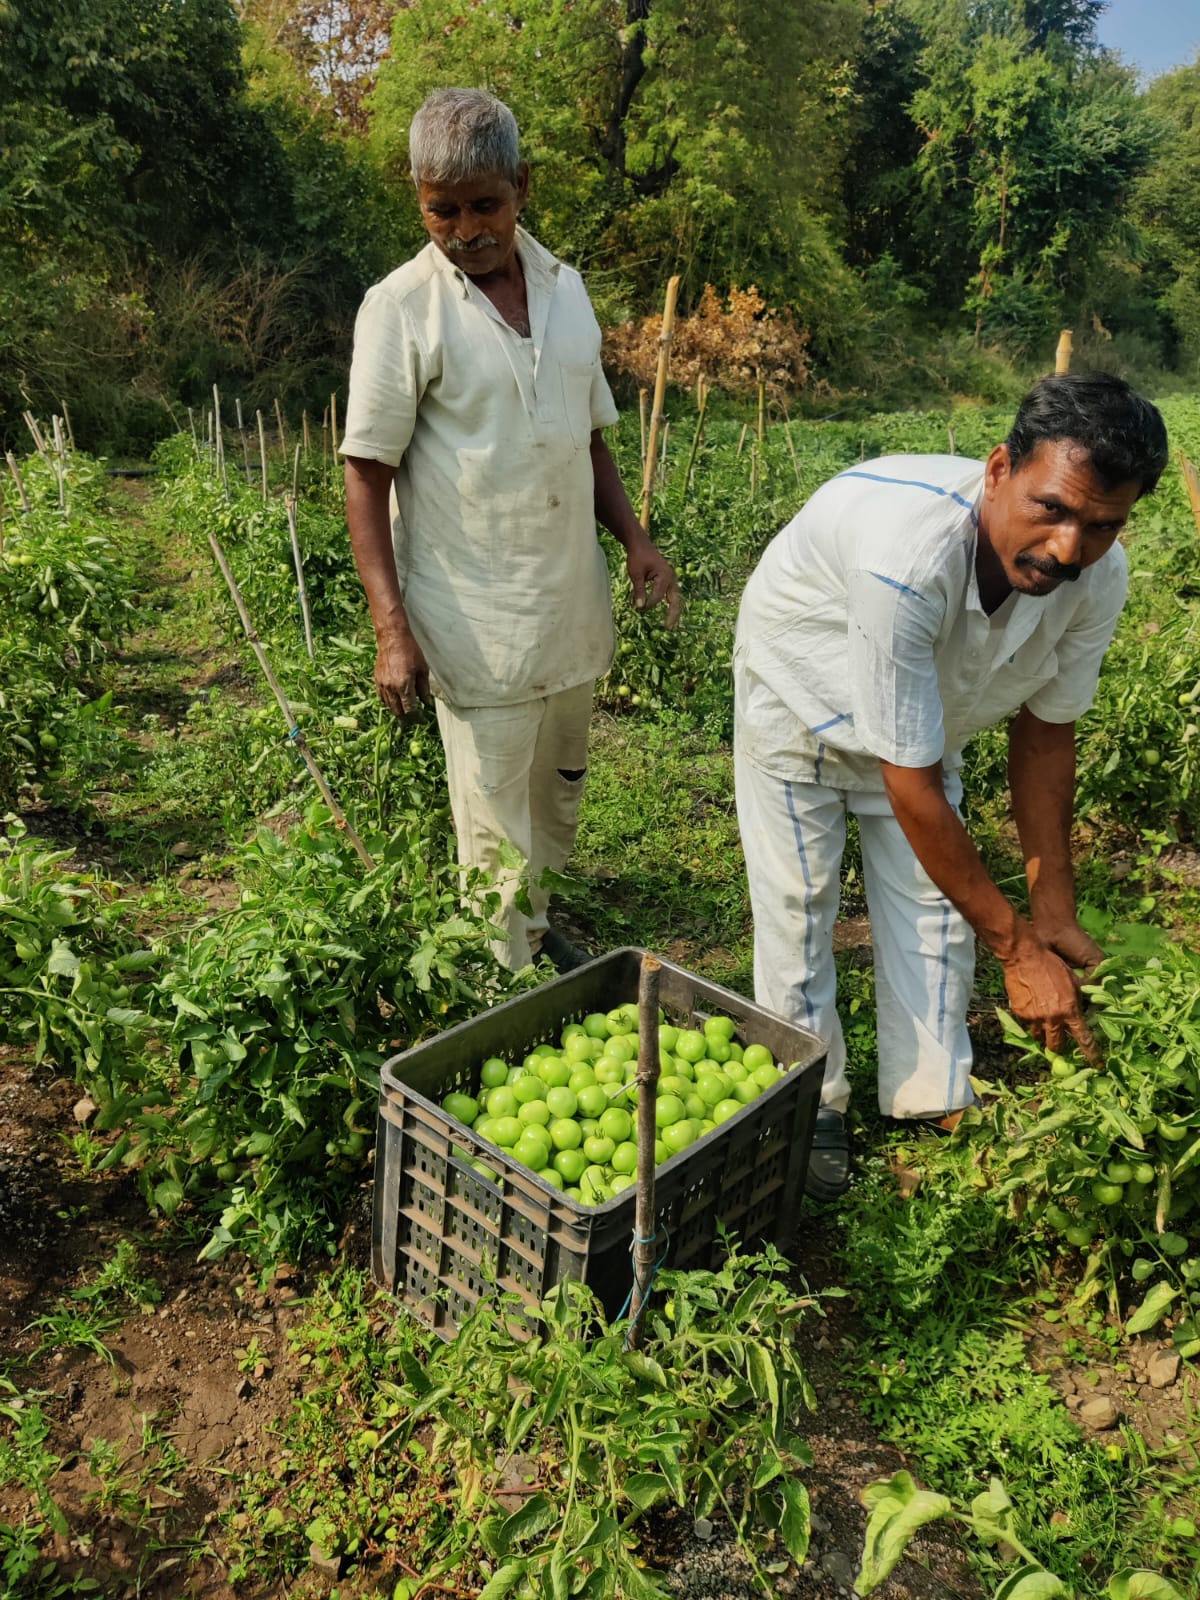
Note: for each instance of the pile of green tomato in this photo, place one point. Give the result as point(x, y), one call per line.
point(567, 1111)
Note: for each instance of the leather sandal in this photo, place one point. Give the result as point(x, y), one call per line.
point(828, 1175)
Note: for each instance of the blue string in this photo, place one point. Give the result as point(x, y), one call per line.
point(294, 733)
point(654, 1270)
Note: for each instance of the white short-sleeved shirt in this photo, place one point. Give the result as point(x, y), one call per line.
point(505, 584)
point(861, 635)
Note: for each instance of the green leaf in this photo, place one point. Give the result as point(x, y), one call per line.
point(992, 1514)
point(538, 1513)
point(168, 1196)
point(1152, 1308)
point(898, 1508)
point(645, 1367)
point(635, 1583)
point(503, 1580)
point(63, 961)
point(645, 1489)
point(1137, 1583)
point(794, 1525)
point(1031, 1583)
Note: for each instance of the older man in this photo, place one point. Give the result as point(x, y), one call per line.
point(476, 391)
point(914, 601)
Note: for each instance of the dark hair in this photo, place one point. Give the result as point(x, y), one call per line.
point(1124, 436)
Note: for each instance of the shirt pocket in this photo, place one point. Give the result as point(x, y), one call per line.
point(577, 400)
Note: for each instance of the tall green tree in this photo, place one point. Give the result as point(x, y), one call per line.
point(699, 136)
point(1167, 207)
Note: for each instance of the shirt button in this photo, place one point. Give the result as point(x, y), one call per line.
point(552, 502)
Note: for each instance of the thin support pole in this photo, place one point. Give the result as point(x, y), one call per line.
point(36, 433)
point(952, 441)
point(16, 477)
point(307, 436)
point(67, 419)
point(298, 560)
point(192, 426)
point(245, 447)
point(1062, 356)
point(262, 453)
point(325, 448)
point(762, 410)
point(742, 437)
point(333, 420)
point(60, 463)
point(279, 425)
point(295, 732)
point(645, 1243)
point(660, 393)
point(643, 397)
point(701, 408)
point(220, 438)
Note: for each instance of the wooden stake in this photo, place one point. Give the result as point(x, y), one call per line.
point(645, 1244)
point(279, 425)
point(262, 453)
point(753, 471)
point(702, 406)
point(742, 436)
point(953, 442)
point(643, 397)
point(295, 733)
point(660, 394)
point(67, 420)
point(60, 463)
point(307, 439)
point(762, 410)
point(36, 433)
point(291, 504)
point(325, 448)
point(1062, 356)
point(1191, 480)
point(16, 475)
point(245, 445)
point(333, 421)
point(220, 438)
point(195, 440)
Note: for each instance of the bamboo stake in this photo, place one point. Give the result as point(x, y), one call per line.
point(195, 440)
point(325, 448)
point(245, 447)
point(762, 410)
point(333, 421)
point(953, 441)
point(307, 439)
point(60, 463)
point(662, 457)
point(220, 437)
point(753, 471)
point(644, 1239)
point(295, 732)
point(1062, 356)
point(16, 474)
point(660, 393)
point(291, 504)
point(279, 425)
point(262, 454)
point(702, 406)
point(1191, 479)
point(38, 440)
point(643, 395)
point(742, 436)
point(67, 420)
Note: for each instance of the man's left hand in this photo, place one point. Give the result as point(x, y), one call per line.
point(653, 579)
point(1072, 945)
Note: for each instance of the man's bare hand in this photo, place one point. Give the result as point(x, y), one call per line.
point(653, 579)
point(1077, 948)
point(401, 674)
point(1043, 993)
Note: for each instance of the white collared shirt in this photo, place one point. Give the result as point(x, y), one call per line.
point(505, 584)
point(861, 635)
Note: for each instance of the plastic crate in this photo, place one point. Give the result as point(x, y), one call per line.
point(443, 1236)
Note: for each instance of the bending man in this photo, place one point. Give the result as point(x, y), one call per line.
point(914, 601)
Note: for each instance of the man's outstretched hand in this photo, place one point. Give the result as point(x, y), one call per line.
point(653, 579)
point(1044, 994)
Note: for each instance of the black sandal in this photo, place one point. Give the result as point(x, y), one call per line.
point(828, 1175)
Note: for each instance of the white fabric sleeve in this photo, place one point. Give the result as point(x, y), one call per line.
point(894, 692)
point(1081, 651)
point(387, 380)
point(604, 407)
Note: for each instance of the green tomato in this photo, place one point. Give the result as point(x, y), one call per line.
point(1108, 1194)
point(1079, 1236)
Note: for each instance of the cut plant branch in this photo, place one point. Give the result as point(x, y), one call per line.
point(660, 391)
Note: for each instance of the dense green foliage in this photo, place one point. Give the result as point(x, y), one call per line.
point(197, 192)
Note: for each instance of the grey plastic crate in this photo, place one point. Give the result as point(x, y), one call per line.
point(443, 1236)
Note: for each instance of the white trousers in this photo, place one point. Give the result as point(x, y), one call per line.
point(793, 835)
point(516, 774)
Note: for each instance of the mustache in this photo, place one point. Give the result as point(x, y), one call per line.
point(482, 243)
point(1050, 568)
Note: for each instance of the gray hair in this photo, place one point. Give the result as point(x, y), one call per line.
point(462, 134)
